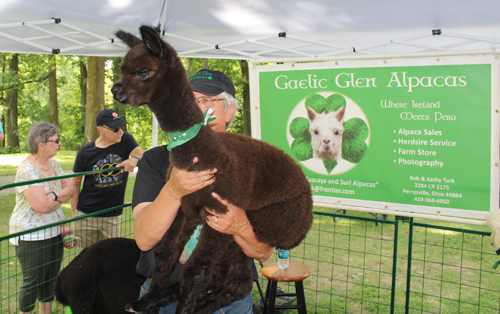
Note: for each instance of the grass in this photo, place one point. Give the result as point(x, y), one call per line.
point(9, 163)
point(7, 203)
point(10, 272)
point(351, 263)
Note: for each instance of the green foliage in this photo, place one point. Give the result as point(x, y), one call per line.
point(9, 164)
point(353, 139)
point(33, 97)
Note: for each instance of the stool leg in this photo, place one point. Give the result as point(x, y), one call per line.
point(268, 291)
point(301, 300)
point(272, 296)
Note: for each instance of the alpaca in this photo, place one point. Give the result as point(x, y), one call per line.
point(493, 221)
point(101, 279)
point(251, 174)
point(326, 133)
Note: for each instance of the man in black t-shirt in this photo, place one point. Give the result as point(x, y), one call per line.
point(103, 190)
point(157, 202)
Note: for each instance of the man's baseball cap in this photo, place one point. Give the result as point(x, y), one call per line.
point(110, 118)
point(211, 83)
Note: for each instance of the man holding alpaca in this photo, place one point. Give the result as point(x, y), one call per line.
point(113, 148)
point(156, 203)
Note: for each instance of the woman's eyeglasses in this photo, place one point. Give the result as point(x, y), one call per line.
point(57, 141)
point(114, 130)
point(206, 102)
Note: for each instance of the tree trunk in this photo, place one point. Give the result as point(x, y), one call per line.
point(188, 70)
point(95, 97)
point(53, 107)
point(12, 129)
point(205, 63)
point(246, 97)
point(116, 104)
point(83, 91)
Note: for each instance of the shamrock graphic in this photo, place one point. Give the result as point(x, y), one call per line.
point(353, 139)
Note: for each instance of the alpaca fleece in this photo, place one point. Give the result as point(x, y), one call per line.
point(101, 279)
point(267, 183)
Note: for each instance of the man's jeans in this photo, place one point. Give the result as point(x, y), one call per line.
point(243, 306)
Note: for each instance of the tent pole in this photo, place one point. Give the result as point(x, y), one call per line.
point(155, 132)
point(162, 17)
point(161, 24)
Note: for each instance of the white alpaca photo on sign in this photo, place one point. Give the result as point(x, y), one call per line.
point(326, 133)
point(352, 110)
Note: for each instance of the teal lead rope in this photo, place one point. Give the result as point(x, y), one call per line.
point(181, 137)
point(496, 265)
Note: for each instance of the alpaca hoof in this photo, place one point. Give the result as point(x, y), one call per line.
point(132, 307)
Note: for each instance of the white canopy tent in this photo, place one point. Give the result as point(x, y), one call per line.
point(260, 30)
point(267, 30)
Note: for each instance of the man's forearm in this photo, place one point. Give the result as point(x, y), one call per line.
point(251, 246)
point(74, 200)
point(154, 219)
point(76, 182)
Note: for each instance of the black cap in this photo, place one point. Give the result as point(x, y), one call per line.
point(110, 118)
point(211, 83)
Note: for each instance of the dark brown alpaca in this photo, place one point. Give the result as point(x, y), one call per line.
point(251, 174)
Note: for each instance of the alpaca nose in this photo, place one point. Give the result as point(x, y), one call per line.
point(326, 141)
point(117, 89)
point(119, 93)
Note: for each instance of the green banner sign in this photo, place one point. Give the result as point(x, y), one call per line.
point(413, 137)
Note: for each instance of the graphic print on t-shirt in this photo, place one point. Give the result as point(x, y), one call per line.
point(108, 178)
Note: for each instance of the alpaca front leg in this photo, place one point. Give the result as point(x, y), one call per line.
point(232, 282)
point(198, 273)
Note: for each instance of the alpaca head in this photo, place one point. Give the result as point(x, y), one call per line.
point(153, 75)
point(326, 133)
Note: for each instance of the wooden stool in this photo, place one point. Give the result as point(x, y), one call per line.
point(294, 273)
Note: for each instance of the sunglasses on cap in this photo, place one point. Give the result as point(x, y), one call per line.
point(114, 130)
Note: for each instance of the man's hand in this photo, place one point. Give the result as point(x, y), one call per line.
point(235, 221)
point(183, 182)
point(128, 165)
point(65, 183)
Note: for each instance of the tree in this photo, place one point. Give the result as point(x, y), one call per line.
point(83, 91)
point(115, 76)
point(246, 96)
point(95, 97)
point(12, 129)
point(53, 106)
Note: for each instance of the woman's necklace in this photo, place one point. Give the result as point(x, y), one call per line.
point(44, 169)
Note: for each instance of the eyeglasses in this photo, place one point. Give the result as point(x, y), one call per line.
point(57, 141)
point(206, 102)
point(114, 130)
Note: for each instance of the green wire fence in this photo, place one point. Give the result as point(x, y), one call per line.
point(358, 264)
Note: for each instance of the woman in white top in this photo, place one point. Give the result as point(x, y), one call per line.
point(40, 253)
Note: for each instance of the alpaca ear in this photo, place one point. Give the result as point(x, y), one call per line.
point(340, 114)
point(129, 39)
point(153, 42)
point(311, 113)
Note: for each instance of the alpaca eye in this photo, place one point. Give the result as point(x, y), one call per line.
point(142, 75)
point(316, 132)
point(337, 133)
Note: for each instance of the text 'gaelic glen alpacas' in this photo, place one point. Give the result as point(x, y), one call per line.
point(251, 174)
